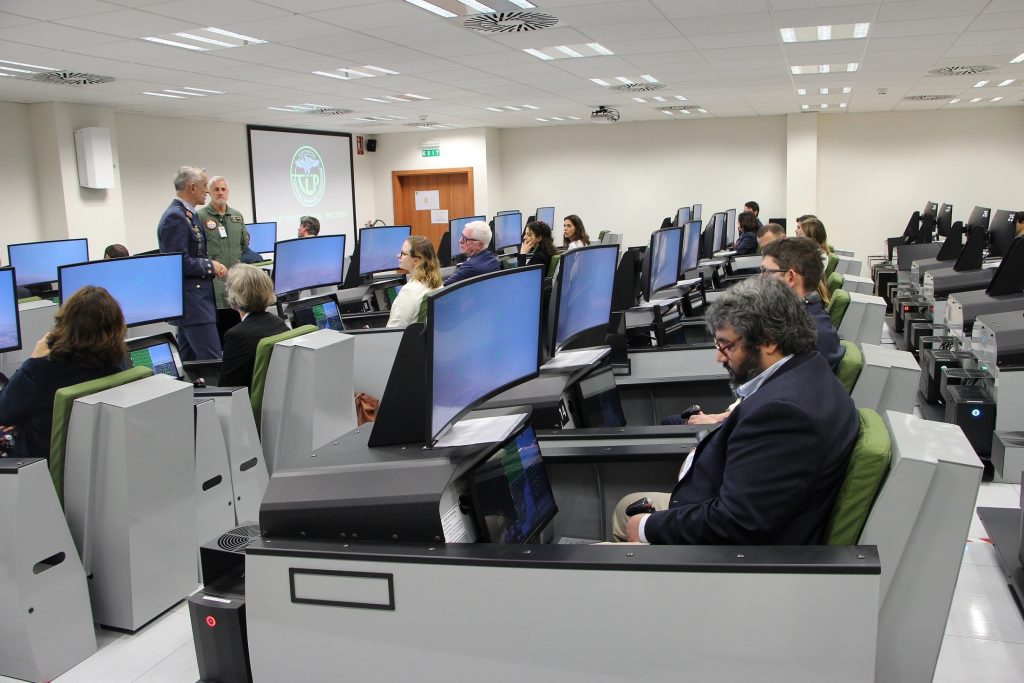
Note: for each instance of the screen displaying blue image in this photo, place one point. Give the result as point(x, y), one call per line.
point(485, 335)
point(455, 231)
point(308, 262)
point(691, 247)
point(379, 247)
point(546, 214)
point(585, 290)
point(508, 230)
point(682, 216)
point(37, 262)
point(157, 357)
point(665, 260)
point(262, 236)
point(149, 288)
point(695, 212)
point(10, 330)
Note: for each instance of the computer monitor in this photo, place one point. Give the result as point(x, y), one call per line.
point(494, 318)
point(455, 228)
point(661, 262)
point(508, 230)
point(149, 288)
point(695, 212)
point(10, 324)
point(262, 236)
point(1002, 230)
point(708, 239)
point(691, 247)
point(719, 241)
point(307, 262)
point(682, 217)
point(158, 352)
point(37, 262)
point(546, 214)
point(944, 220)
point(598, 399)
point(930, 209)
point(979, 217)
point(584, 301)
point(730, 228)
point(379, 247)
point(510, 492)
point(507, 211)
point(322, 311)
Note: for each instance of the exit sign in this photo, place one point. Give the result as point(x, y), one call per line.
point(431, 152)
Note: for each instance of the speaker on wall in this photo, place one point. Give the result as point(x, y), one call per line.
point(371, 145)
point(95, 157)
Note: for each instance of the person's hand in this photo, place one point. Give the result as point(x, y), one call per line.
point(705, 419)
point(633, 528)
point(42, 349)
point(8, 429)
point(220, 271)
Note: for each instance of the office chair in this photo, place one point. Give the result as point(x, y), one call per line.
point(869, 463)
point(259, 369)
point(850, 366)
point(834, 281)
point(837, 306)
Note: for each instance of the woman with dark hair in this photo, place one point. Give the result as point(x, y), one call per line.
point(538, 245)
point(86, 343)
point(420, 260)
point(575, 235)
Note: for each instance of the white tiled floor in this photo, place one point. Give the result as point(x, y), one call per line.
point(984, 635)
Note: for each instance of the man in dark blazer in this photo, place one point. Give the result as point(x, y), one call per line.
point(473, 243)
point(770, 473)
point(181, 231)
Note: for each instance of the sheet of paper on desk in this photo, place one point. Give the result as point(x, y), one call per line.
point(656, 302)
point(688, 283)
point(578, 358)
point(480, 430)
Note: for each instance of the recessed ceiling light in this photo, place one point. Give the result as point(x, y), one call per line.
point(522, 3)
point(374, 99)
point(473, 4)
point(602, 50)
point(640, 100)
point(954, 100)
point(861, 30)
point(529, 106)
point(331, 75)
point(184, 92)
point(680, 98)
point(976, 99)
point(539, 119)
point(649, 78)
point(16, 70)
point(788, 35)
point(981, 84)
point(213, 92)
point(575, 118)
point(842, 105)
point(1018, 59)
point(415, 97)
point(423, 4)
point(600, 82)
point(995, 99)
point(822, 91)
point(30, 66)
point(801, 91)
point(623, 79)
point(202, 39)
point(1008, 81)
point(805, 107)
point(660, 99)
point(823, 68)
point(397, 99)
point(702, 110)
point(557, 118)
point(852, 66)
point(666, 112)
point(568, 51)
point(847, 90)
point(511, 108)
point(382, 70)
point(237, 36)
point(163, 94)
point(173, 43)
point(805, 34)
point(824, 106)
point(494, 109)
point(292, 111)
point(824, 33)
point(537, 53)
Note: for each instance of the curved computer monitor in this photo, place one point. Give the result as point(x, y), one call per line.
point(379, 247)
point(149, 288)
point(546, 214)
point(1001, 232)
point(158, 353)
point(695, 212)
point(979, 217)
point(584, 302)
point(661, 261)
point(494, 320)
point(37, 262)
point(691, 247)
point(729, 236)
point(508, 230)
point(944, 220)
point(930, 209)
point(307, 262)
point(708, 238)
point(10, 324)
point(682, 217)
point(262, 236)
point(455, 228)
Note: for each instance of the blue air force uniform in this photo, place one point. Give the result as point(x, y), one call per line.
point(181, 231)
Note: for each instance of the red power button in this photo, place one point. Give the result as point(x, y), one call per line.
point(211, 622)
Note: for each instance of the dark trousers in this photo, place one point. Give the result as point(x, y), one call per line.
point(199, 342)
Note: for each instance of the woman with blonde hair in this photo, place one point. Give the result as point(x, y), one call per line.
point(250, 292)
point(419, 259)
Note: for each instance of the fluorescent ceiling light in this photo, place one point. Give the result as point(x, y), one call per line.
point(687, 111)
point(30, 66)
point(473, 4)
point(954, 100)
point(172, 43)
point(824, 106)
point(995, 99)
point(1018, 59)
point(976, 99)
point(20, 71)
point(805, 107)
point(352, 73)
point(422, 4)
point(824, 33)
point(236, 36)
point(539, 119)
point(801, 91)
point(1008, 81)
point(201, 39)
point(537, 53)
point(330, 75)
point(602, 50)
point(522, 3)
point(529, 106)
point(163, 94)
point(807, 34)
point(861, 30)
point(649, 78)
point(292, 111)
point(842, 105)
point(415, 97)
point(623, 79)
point(822, 91)
point(640, 100)
point(852, 66)
point(796, 70)
point(660, 99)
point(397, 99)
point(214, 92)
point(9, 75)
point(382, 70)
point(981, 84)
point(680, 98)
point(494, 109)
point(823, 68)
point(575, 118)
point(374, 99)
point(511, 108)
point(847, 90)
point(566, 50)
point(557, 118)
point(702, 110)
point(185, 92)
point(667, 112)
point(788, 35)
point(600, 82)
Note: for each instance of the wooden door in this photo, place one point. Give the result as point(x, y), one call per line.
point(455, 194)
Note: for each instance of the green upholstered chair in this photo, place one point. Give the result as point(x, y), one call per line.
point(262, 364)
point(600, 235)
point(64, 400)
point(850, 366)
point(869, 463)
point(29, 299)
point(553, 266)
point(837, 306)
point(833, 282)
point(830, 267)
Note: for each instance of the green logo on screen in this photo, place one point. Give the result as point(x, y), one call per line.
point(308, 179)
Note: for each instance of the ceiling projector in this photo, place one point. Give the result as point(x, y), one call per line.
point(604, 114)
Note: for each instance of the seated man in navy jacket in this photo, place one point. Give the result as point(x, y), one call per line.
point(770, 473)
point(473, 243)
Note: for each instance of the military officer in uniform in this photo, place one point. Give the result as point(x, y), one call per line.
point(226, 239)
point(181, 231)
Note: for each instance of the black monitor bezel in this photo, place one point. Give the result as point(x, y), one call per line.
point(156, 339)
point(979, 209)
point(730, 228)
point(359, 246)
point(248, 225)
point(689, 216)
point(181, 257)
point(341, 275)
point(944, 219)
point(556, 304)
point(646, 285)
point(455, 240)
point(17, 316)
point(518, 242)
point(431, 438)
point(996, 235)
point(309, 302)
point(25, 244)
point(695, 226)
point(695, 212)
point(707, 250)
point(930, 209)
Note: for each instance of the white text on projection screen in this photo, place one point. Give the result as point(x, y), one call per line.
point(300, 173)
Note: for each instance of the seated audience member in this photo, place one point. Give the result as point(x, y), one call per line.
point(769, 475)
point(1020, 223)
point(420, 261)
point(767, 234)
point(476, 236)
point(538, 245)
point(309, 226)
point(746, 237)
point(815, 229)
point(799, 223)
point(574, 235)
point(250, 291)
point(115, 251)
point(754, 208)
point(796, 263)
point(86, 343)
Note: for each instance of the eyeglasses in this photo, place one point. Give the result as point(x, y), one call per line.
point(765, 271)
point(725, 348)
point(468, 239)
point(403, 253)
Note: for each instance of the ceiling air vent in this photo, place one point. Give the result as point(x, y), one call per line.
point(509, 22)
point(71, 78)
point(688, 108)
point(428, 124)
point(960, 70)
point(928, 98)
point(639, 87)
point(325, 111)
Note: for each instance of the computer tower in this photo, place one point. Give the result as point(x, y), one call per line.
point(974, 411)
point(909, 320)
point(932, 363)
point(907, 305)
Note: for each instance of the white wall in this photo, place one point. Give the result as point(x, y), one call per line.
point(23, 221)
